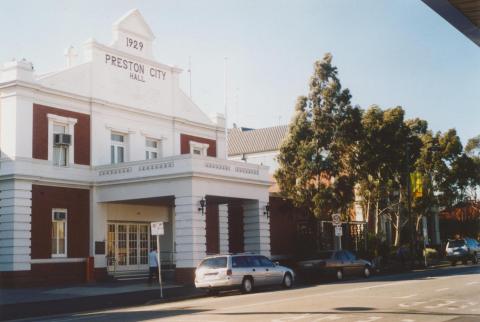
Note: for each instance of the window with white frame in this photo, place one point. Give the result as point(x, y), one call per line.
point(152, 149)
point(59, 232)
point(197, 148)
point(60, 151)
point(118, 147)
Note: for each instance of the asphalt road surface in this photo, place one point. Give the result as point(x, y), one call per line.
point(448, 294)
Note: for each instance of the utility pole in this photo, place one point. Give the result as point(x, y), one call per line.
point(225, 104)
point(409, 206)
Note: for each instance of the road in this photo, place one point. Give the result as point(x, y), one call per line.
point(448, 294)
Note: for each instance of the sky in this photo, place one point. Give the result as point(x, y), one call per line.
point(390, 53)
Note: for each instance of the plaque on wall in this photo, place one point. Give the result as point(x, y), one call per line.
point(99, 248)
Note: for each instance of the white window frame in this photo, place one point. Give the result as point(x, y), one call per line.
point(197, 146)
point(149, 150)
point(116, 144)
point(54, 210)
point(67, 148)
point(69, 124)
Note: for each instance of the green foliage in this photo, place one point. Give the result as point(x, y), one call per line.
point(333, 147)
point(317, 160)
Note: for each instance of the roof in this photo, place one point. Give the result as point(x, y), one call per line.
point(462, 14)
point(243, 140)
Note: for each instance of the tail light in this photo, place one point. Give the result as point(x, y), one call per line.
point(229, 272)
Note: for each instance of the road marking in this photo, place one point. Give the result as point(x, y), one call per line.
point(472, 283)
point(309, 296)
point(406, 296)
point(412, 304)
point(439, 305)
point(442, 289)
point(408, 320)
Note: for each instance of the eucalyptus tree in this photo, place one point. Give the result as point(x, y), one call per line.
point(317, 161)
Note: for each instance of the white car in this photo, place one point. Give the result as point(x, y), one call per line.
point(241, 271)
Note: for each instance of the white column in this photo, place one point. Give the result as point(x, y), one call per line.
point(15, 225)
point(190, 231)
point(98, 228)
point(223, 228)
point(256, 227)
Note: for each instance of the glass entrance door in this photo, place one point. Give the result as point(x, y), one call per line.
point(127, 246)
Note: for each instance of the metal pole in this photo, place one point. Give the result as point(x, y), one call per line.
point(159, 267)
point(409, 209)
point(226, 108)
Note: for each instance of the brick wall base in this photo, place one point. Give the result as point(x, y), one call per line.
point(50, 275)
point(185, 275)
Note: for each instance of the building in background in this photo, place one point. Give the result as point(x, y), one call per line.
point(294, 231)
point(95, 152)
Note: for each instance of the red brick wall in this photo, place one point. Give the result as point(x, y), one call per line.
point(235, 227)
point(40, 133)
point(185, 144)
point(45, 275)
point(77, 203)
point(283, 226)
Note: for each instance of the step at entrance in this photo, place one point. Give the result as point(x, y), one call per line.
point(138, 276)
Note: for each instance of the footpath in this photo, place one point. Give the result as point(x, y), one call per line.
point(37, 302)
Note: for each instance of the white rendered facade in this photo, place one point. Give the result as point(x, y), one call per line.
point(125, 92)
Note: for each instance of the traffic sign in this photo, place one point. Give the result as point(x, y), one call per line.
point(157, 228)
point(336, 219)
point(338, 231)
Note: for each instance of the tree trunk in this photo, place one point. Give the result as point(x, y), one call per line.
point(398, 220)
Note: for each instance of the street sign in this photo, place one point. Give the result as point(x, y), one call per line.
point(338, 231)
point(157, 228)
point(336, 219)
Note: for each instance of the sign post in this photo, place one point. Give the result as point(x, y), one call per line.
point(157, 230)
point(336, 222)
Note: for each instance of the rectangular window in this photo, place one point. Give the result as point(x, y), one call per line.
point(152, 149)
point(60, 152)
point(59, 233)
point(117, 148)
point(198, 148)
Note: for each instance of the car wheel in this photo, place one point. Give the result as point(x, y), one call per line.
point(287, 281)
point(367, 272)
point(247, 285)
point(339, 275)
point(454, 263)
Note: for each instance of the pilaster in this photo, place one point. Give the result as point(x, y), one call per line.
point(256, 227)
point(223, 228)
point(190, 231)
point(15, 225)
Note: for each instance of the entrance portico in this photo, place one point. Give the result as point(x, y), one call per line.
point(129, 196)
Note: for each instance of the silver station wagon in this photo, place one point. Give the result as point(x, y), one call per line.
point(240, 271)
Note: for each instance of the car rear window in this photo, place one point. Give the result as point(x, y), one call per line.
point(239, 261)
point(214, 262)
point(456, 243)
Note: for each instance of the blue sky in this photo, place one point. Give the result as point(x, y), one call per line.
point(396, 52)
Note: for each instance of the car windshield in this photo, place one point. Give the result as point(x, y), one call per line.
point(214, 262)
point(456, 243)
